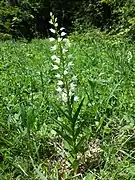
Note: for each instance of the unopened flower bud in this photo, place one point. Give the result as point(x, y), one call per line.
point(61, 29)
point(53, 48)
point(58, 76)
point(59, 89)
point(55, 67)
point(52, 30)
point(63, 34)
point(60, 83)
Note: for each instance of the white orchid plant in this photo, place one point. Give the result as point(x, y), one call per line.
point(66, 83)
point(62, 64)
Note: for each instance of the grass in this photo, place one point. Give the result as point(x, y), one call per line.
point(30, 148)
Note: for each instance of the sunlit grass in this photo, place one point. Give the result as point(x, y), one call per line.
point(29, 148)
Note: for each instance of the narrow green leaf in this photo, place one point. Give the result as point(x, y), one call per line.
point(3, 140)
point(65, 136)
point(100, 122)
point(4, 125)
point(64, 126)
point(23, 116)
point(79, 129)
point(66, 115)
point(30, 118)
point(75, 117)
point(78, 146)
point(22, 170)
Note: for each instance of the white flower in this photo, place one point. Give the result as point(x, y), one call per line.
point(64, 51)
point(70, 64)
point(56, 19)
point(59, 89)
point(58, 76)
point(74, 78)
point(52, 30)
point(65, 72)
point(76, 98)
point(72, 86)
point(55, 67)
point(59, 39)
point(61, 29)
point(60, 83)
point(56, 24)
point(51, 13)
point(70, 93)
point(57, 60)
point(53, 57)
point(64, 97)
point(51, 22)
point(63, 34)
point(51, 39)
point(53, 48)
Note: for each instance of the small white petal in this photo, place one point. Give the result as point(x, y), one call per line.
point(59, 89)
point(57, 60)
point(56, 19)
point(51, 13)
point(53, 57)
point(51, 22)
point(63, 34)
point(58, 76)
point(76, 98)
point(64, 51)
point(61, 29)
point(74, 78)
point(60, 83)
point(52, 30)
point(53, 48)
point(72, 86)
point(70, 64)
point(64, 97)
point(65, 72)
point(56, 24)
point(51, 39)
point(59, 39)
point(55, 67)
point(71, 93)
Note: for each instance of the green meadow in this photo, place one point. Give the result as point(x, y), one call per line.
point(31, 147)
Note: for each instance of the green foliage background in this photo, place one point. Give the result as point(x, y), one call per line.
point(29, 18)
point(104, 65)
